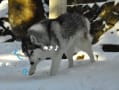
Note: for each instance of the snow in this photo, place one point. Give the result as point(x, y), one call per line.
point(101, 75)
point(4, 8)
point(2, 39)
point(112, 33)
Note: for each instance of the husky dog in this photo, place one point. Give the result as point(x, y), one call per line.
point(65, 34)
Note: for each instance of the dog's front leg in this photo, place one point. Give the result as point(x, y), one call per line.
point(69, 53)
point(55, 64)
point(32, 68)
point(33, 65)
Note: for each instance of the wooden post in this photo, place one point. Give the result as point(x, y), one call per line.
point(56, 8)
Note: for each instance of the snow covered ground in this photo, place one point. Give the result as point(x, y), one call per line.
point(102, 75)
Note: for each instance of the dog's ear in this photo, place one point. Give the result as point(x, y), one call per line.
point(33, 39)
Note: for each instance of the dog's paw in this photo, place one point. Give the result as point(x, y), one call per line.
point(31, 72)
point(93, 60)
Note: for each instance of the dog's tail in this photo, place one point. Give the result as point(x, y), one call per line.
point(88, 24)
point(88, 28)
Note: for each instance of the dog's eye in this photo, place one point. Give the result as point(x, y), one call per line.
point(2, 30)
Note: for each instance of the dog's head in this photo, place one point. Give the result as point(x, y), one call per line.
point(39, 35)
point(6, 34)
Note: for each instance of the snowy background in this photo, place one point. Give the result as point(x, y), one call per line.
point(102, 75)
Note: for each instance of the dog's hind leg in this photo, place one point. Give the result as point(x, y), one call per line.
point(85, 45)
point(69, 53)
point(89, 50)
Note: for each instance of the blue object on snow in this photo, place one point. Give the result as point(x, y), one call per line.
point(15, 53)
point(24, 71)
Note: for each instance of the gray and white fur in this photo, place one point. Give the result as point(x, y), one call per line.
point(69, 32)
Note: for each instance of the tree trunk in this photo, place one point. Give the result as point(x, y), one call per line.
point(56, 8)
point(23, 14)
